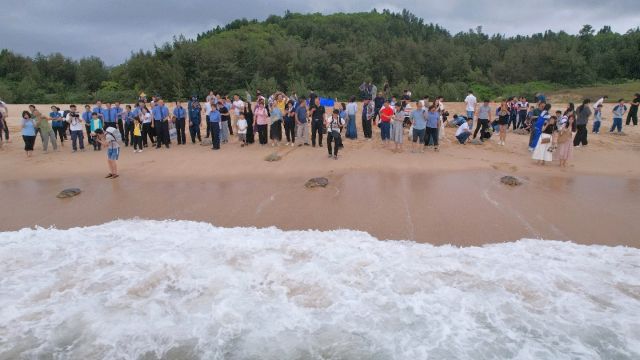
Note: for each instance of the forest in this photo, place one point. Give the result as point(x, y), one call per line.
point(333, 55)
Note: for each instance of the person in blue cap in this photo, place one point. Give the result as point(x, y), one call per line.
point(195, 118)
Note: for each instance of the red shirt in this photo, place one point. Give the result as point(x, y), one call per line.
point(386, 113)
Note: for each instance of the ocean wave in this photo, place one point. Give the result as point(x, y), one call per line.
point(139, 289)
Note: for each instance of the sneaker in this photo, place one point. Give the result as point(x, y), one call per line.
point(330, 156)
point(287, 144)
point(140, 150)
point(335, 157)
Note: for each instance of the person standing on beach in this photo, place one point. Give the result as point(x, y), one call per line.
point(386, 113)
point(418, 126)
point(302, 123)
point(541, 152)
point(4, 115)
point(127, 117)
point(110, 116)
point(46, 132)
point(584, 112)
point(317, 122)
point(215, 119)
point(225, 122)
point(633, 111)
point(471, 104)
point(484, 118)
point(397, 128)
point(275, 132)
point(248, 115)
point(618, 113)
point(208, 107)
point(368, 114)
point(334, 124)
point(57, 123)
point(565, 141)
point(261, 121)
point(108, 139)
point(432, 126)
point(290, 123)
point(194, 119)
point(98, 109)
point(505, 117)
point(75, 126)
point(536, 127)
point(179, 116)
point(352, 110)
point(28, 126)
point(161, 123)
point(147, 129)
point(378, 103)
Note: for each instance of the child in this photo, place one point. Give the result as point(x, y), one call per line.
point(96, 124)
point(137, 134)
point(108, 139)
point(618, 112)
point(241, 125)
point(598, 119)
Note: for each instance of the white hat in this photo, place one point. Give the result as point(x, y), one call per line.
point(111, 129)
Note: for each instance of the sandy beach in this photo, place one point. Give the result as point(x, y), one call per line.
point(450, 197)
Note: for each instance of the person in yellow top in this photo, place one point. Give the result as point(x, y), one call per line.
point(281, 102)
point(137, 135)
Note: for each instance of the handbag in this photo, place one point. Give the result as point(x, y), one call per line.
point(173, 132)
point(545, 141)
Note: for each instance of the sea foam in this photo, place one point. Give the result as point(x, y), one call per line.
point(140, 289)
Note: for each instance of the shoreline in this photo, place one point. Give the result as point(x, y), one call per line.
point(463, 208)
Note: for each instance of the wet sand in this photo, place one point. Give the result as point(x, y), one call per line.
point(450, 197)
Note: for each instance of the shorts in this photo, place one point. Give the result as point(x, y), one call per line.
point(418, 135)
point(470, 114)
point(113, 154)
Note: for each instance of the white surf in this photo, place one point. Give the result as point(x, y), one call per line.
point(184, 290)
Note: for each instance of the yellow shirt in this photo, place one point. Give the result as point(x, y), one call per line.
point(136, 130)
point(281, 104)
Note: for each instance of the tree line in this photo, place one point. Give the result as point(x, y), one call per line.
point(333, 55)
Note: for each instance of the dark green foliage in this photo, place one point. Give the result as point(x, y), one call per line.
point(333, 54)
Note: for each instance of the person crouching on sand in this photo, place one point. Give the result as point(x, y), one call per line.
point(333, 125)
point(108, 139)
point(464, 131)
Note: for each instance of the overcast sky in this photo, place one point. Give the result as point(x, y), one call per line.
point(112, 29)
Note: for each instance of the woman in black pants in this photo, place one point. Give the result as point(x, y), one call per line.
point(290, 123)
point(584, 112)
point(248, 115)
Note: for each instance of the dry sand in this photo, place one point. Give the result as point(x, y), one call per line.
point(453, 196)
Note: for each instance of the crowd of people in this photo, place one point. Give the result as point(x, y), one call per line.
point(306, 121)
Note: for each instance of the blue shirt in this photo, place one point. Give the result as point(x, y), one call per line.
point(301, 111)
point(100, 111)
point(214, 116)
point(179, 112)
point(194, 112)
point(160, 112)
point(86, 116)
point(110, 115)
point(56, 121)
point(432, 119)
point(29, 127)
point(418, 118)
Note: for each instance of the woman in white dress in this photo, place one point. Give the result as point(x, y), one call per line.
point(543, 151)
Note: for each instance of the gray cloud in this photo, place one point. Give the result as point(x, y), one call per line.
point(114, 29)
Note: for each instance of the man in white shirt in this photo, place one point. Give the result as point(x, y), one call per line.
point(76, 125)
point(207, 111)
point(599, 102)
point(471, 103)
point(463, 132)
